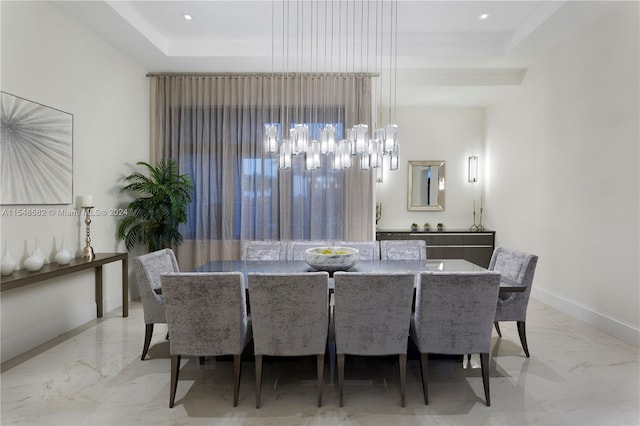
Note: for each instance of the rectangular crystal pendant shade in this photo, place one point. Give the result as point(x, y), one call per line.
point(284, 156)
point(313, 155)
point(365, 161)
point(374, 153)
point(324, 142)
point(346, 153)
point(393, 159)
point(362, 131)
point(328, 139)
point(271, 139)
point(292, 139)
point(299, 138)
point(351, 138)
point(342, 156)
point(337, 161)
point(390, 138)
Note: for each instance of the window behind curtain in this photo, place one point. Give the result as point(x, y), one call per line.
point(213, 126)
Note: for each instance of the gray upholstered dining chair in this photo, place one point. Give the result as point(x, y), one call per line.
point(290, 314)
point(263, 250)
point(367, 250)
point(371, 316)
point(453, 315)
point(296, 248)
point(206, 316)
point(515, 267)
point(148, 268)
point(403, 250)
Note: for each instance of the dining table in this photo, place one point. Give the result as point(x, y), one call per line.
point(382, 265)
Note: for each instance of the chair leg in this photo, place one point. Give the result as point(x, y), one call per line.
point(237, 366)
point(148, 332)
point(340, 378)
point(332, 361)
point(523, 337)
point(484, 365)
point(495, 324)
point(424, 358)
point(403, 375)
point(258, 379)
point(175, 371)
point(320, 368)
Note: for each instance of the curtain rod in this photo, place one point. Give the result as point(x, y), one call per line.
point(264, 74)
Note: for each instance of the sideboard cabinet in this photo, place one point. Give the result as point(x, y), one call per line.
point(476, 247)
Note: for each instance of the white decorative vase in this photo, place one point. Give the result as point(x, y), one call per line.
point(8, 262)
point(36, 260)
point(64, 254)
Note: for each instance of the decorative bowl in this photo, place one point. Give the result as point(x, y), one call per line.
point(331, 259)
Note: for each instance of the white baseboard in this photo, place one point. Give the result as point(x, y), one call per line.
point(620, 329)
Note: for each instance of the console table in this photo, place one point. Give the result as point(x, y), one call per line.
point(24, 277)
point(476, 247)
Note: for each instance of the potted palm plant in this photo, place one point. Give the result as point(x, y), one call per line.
point(163, 199)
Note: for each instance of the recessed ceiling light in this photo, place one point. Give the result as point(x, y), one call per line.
point(187, 17)
point(483, 16)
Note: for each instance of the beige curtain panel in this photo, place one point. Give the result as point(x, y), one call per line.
point(213, 126)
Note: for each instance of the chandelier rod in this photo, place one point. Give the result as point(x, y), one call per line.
point(273, 14)
point(395, 66)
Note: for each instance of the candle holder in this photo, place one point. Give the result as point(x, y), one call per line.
point(474, 227)
point(480, 227)
point(87, 251)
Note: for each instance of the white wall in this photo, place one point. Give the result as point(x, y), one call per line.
point(563, 180)
point(50, 59)
point(435, 133)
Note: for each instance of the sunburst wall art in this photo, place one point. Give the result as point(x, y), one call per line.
point(36, 153)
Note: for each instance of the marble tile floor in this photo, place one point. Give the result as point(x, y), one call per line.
point(93, 375)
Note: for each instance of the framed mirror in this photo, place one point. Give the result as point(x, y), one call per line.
point(426, 186)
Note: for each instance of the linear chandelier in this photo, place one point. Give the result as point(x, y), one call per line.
point(360, 30)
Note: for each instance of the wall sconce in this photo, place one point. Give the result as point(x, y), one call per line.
point(473, 169)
